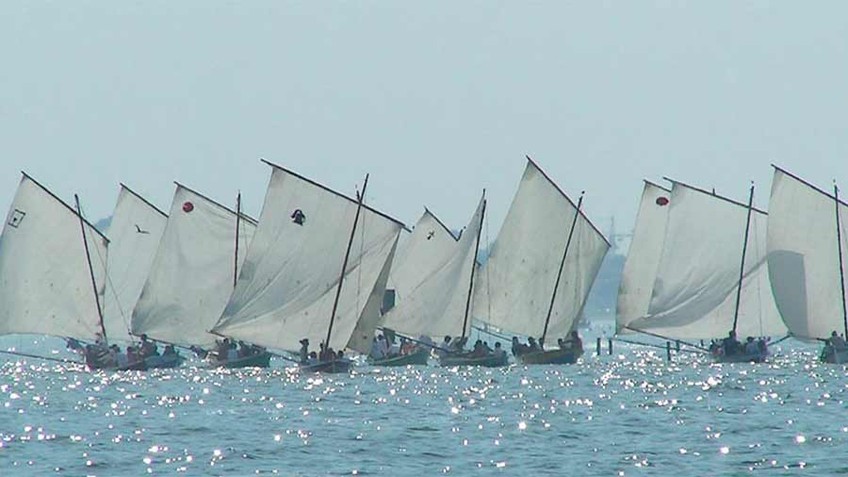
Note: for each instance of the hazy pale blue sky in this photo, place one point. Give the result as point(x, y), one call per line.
point(435, 99)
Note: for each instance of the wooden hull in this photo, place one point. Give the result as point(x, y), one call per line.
point(261, 360)
point(839, 357)
point(554, 356)
point(491, 361)
point(419, 358)
point(164, 361)
point(334, 366)
point(740, 358)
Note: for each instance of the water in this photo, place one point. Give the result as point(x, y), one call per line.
point(632, 413)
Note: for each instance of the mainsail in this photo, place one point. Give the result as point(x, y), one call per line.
point(288, 281)
point(803, 256)
point(45, 281)
point(695, 289)
point(134, 234)
point(428, 246)
point(643, 257)
point(192, 274)
point(517, 282)
point(436, 306)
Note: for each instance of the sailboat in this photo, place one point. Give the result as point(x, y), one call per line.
point(711, 276)
point(134, 232)
point(541, 267)
point(192, 274)
point(52, 269)
point(426, 250)
point(440, 305)
point(806, 244)
point(291, 291)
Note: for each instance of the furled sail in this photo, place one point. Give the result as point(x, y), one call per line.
point(134, 235)
point(517, 282)
point(694, 292)
point(426, 248)
point(192, 274)
point(288, 282)
point(643, 257)
point(45, 282)
point(803, 256)
point(436, 305)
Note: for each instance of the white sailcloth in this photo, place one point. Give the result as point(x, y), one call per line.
point(517, 282)
point(134, 235)
point(428, 246)
point(643, 257)
point(803, 256)
point(192, 274)
point(288, 283)
point(694, 293)
point(436, 305)
point(45, 282)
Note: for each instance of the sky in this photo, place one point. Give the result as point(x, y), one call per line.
point(435, 100)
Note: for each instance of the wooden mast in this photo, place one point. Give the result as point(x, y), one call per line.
point(561, 266)
point(235, 260)
point(841, 270)
point(473, 268)
point(742, 264)
point(361, 198)
point(91, 270)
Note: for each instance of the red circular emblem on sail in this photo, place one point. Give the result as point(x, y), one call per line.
point(188, 207)
point(661, 201)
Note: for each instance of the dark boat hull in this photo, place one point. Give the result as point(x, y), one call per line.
point(554, 356)
point(260, 360)
point(418, 358)
point(491, 361)
point(740, 358)
point(164, 361)
point(333, 366)
point(839, 357)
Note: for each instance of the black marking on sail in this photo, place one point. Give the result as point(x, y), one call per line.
point(140, 230)
point(16, 218)
point(430, 234)
point(298, 217)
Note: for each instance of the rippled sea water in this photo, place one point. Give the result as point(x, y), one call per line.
point(632, 413)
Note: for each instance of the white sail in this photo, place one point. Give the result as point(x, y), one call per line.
point(643, 257)
point(192, 274)
point(436, 305)
point(803, 256)
point(694, 293)
point(428, 246)
point(45, 282)
point(517, 282)
point(134, 235)
point(288, 283)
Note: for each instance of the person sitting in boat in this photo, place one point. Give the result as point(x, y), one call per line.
point(532, 346)
point(198, 351)
point(121, 359)
point(517, 347)
point(313, 358)
point(377, 349)
point(573, 342)
point(169, 350)
point(132, 356)
point(730, 345)
point(498, 351)
point(407, 347)
point(340, 355)
point(304, 350)
point(147, 348)
point(487, 348)
point(232, 353)
point(478, 351)
point(836, 342)
point(222, 349)
point(73, 344)
point(445, 348)
point(752, 348)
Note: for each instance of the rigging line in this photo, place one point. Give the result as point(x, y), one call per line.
point(841, 265)
point(650, 345)
point(488, 276)
point(656, 335)
point(742, 262)
point(91, 269)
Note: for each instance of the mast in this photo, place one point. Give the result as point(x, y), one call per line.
point(235, 260)
point(473, 268)
point(561, 266)
point(344, 264)
point(839, 247)
point(90, 269)
point(742, 264)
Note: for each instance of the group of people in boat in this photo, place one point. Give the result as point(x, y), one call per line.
point(834, 345)
point(572, 342)
point(383, 347)
point(101, 355)
point(481, 349)
point(228, 351)
point(325, 353)
point(730, 346)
